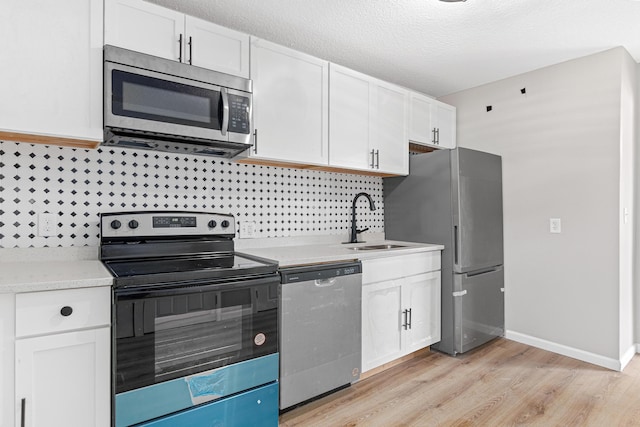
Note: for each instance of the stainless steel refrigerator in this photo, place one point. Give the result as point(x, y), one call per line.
point(454, 198)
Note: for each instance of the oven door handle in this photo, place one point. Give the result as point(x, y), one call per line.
point(159, 290)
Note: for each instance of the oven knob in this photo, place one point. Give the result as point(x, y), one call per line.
point(133, 224)
point(115, 224)
point(225, 224)
point(212, 224)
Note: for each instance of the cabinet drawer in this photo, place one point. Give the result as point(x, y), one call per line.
point(44, 312)
point(379, 269)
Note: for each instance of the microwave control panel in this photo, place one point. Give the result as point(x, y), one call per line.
point(239, 114)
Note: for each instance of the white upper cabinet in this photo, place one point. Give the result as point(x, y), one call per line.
point(367, 124)
point(216, 48)
point(290, 104)
point(51, 62)
point(389, 135)
point(350, 119)
point(144, 27)
point(158, 31)
point(431, 122)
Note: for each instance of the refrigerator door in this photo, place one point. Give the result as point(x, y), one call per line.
point(479, 308)
point(477, 210)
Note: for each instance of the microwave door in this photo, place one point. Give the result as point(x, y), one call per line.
point(157, 103)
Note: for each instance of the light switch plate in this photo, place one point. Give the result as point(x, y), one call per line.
point(247, 230)
point(555, 225)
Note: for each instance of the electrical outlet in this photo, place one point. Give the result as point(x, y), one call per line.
point(247, 229)
point(47, 224)
point(555, 225)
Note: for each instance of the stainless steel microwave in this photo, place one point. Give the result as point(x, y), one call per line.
point(158, 104)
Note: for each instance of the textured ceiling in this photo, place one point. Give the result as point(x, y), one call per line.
point(431, 46)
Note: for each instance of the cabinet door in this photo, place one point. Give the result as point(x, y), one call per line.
point(444, 120)
point(421, 297)
point(144, 27)
point(389, 136)
point(420, 129)
point(349, 118)
point(7, 340)
point(216, 48)
point(51, 62)
point(381, 335)
point(290, 104)
point(63, 379)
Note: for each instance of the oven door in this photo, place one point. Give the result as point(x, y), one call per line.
point(161, 334)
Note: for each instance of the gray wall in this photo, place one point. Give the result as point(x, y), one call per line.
point(562, 143)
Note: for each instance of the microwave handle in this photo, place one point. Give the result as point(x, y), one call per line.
point(225, 110)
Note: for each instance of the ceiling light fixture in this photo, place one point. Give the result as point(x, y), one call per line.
point(452, 1)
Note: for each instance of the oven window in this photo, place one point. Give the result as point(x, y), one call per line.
point(161, 338)
point(161, 100)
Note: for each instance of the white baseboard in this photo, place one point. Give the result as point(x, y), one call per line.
point(627, 356)
point(585, 356)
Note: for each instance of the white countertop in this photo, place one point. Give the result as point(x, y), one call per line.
point(42, 269)
point(288, 256)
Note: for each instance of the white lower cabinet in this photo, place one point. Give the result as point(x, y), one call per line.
point(7, 340)
point(63, 379)
point(400, 306)
point(62, 359)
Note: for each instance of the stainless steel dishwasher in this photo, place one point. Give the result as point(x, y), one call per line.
point(320, 330)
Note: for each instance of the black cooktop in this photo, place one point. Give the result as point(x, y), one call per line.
point(129, 273)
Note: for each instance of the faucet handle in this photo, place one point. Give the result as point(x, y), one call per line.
point(362, 231)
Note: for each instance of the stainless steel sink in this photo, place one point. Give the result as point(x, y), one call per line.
point(376, 247)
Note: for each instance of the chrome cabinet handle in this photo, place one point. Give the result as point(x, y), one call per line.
point(409, 322)
point(405, 325)
point(190, 50)
point(438, 136)
point(377, 159)
point(433, 131)
point(180, 48)
point(372, 159)
point(225, 110)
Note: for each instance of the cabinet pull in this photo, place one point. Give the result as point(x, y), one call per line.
point(377, 159)
point(438, 136)
point(409, 322)
point(372, 159)
point(180, 48)
point(23, 404)
point(405, 325)
point(255, 141)
point(66, 311)
point(190, 50)
point(433, 131)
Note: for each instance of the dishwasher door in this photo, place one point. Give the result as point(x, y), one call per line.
point(320, 330)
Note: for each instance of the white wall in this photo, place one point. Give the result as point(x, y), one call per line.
point(561, 151)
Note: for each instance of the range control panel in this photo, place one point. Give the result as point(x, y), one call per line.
point(166, 223)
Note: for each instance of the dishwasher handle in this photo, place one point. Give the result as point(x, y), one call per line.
point(325, 283)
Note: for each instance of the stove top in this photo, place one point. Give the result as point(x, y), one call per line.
point(147, 248)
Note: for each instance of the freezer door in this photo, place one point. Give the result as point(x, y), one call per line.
point(477, 210)
point(478, 307)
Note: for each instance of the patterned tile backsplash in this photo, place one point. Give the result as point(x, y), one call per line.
point(76, 185)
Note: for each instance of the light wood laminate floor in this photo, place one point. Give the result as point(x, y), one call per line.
point(503, 383)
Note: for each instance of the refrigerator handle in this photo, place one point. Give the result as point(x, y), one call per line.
point(455, 244)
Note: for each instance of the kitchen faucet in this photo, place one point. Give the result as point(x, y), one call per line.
point(354, 230)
